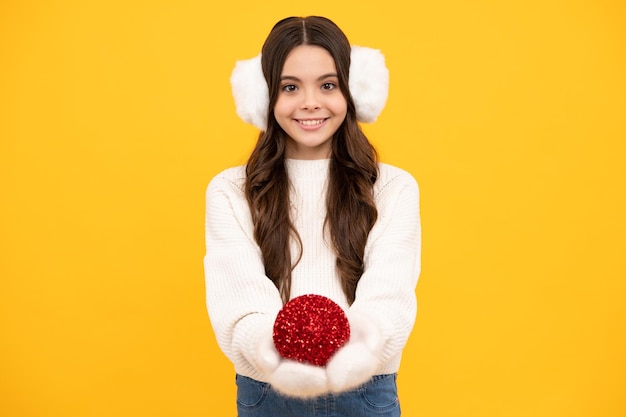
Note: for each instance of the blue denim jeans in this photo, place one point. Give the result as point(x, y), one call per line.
point(378, 397)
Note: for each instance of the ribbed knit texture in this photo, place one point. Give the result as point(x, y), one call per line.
point(243, 303)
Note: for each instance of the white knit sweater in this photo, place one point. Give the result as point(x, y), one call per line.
point(243, 303)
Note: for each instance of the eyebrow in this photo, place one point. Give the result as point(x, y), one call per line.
point(294, 78)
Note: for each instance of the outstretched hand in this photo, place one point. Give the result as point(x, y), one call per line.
point(357, 361)
point(351, 366)
point(289, 377)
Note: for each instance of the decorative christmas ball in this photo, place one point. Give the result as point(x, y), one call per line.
point(310, 328)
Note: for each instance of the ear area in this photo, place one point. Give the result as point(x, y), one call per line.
point(250, 92)
point(368, 83)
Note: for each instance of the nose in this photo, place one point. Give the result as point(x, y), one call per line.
point(310, 100)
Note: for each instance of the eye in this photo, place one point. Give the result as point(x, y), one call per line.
point(329, 86)
point(289, 88)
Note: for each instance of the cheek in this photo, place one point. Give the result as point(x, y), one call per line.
point(281, 108)
point(282, 114)
point(340, 106)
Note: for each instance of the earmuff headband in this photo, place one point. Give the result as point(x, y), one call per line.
point(368, 83)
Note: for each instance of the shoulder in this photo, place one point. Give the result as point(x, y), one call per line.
point(225, 197)
point(393, 180)
point(230, 180)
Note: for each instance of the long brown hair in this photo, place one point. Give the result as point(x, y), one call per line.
point(351, 211)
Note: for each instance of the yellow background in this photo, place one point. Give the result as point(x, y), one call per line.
point(114, 116)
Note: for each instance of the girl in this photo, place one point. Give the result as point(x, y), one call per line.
point(312, 212)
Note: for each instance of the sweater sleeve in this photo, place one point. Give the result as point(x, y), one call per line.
point(386, 291)
point(242, 302)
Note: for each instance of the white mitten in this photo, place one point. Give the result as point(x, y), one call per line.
point(297, 379)
point(359, 359)
point(289, 377)
point(266, 356)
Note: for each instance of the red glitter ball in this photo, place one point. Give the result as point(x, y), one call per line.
point(310, 328)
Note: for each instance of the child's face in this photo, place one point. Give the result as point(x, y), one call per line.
point(310, 106)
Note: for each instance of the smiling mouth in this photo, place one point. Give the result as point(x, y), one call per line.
point(311, 122)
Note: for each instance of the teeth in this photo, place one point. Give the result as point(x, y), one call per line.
point(311, 122)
